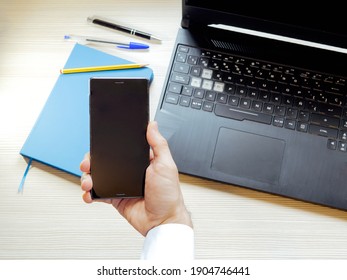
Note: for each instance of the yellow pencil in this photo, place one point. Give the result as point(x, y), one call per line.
point(102, 68)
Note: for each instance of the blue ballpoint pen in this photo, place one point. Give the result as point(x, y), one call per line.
point(86, 40)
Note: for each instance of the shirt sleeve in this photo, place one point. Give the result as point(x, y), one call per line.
point(169, 242)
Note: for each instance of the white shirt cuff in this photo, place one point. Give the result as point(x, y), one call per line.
point(169, 242)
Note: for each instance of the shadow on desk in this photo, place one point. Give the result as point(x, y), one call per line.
point(245, 193)
point(265, 198)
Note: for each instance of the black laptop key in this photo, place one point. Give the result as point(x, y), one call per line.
point(187, 90)
point(342, 147)
point(172, 98)
point(234, 101)
point(196, 104)
point(180, 78)
point(324, 120)
point(332, 144)
point(304, 116)
point(192, 59)
point(290, 124)
point(175, 88)
point(330, 110)
point(278, 121)
point(240, 114)
point(343, 135)
point(185, 101)
point(207, 106)
point(183, 49)
point(343, 124)
point(210, 95)
point(195, 71)
point(181, 68)
point(222, 98)
point(323, 131)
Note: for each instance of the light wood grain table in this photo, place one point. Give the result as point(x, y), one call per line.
point(50, 220)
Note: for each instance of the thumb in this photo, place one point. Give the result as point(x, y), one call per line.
point(158, 143)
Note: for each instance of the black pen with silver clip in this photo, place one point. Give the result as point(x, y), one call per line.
point(131, 31)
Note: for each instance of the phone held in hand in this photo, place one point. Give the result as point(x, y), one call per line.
point(119, 152)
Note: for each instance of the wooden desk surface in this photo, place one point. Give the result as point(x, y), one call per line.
point(50, 221)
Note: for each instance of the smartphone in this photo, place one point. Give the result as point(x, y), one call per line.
point(119, 152)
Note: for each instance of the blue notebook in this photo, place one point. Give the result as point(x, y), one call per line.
point(60, 136)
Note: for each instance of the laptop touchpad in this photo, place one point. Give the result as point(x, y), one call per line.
point(248, 155)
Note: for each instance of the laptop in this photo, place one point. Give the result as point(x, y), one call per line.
point(255, 96)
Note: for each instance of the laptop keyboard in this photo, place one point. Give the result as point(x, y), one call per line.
point(244, 89)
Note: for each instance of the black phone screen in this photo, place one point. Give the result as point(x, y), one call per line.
point(119, 152)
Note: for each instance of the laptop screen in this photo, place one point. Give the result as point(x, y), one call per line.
point(318, 22)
